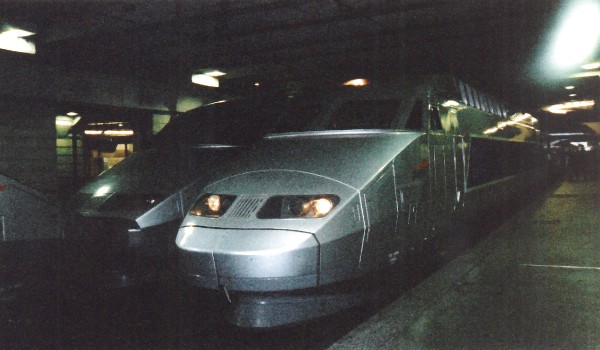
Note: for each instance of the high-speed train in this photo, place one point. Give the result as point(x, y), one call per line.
point(123, 223)
point(291, 226)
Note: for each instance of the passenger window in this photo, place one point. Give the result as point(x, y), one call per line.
point(415, 119)
point(365, 114)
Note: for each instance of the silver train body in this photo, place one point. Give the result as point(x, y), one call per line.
point(384, 169)
point(123, 223)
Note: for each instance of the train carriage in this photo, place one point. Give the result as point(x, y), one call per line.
point(381, 169)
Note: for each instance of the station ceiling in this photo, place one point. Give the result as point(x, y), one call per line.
point(498, 44)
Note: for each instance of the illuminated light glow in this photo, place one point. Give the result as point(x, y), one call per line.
point(525, 126)
point(205, 80)
point(215, 73)
point(450, 103)
point(572, 95)
point(586, 74)
point(119, 132)
point(72, 114)
point(216, 102)
point(12, 39)
point(187, 232)
point(578, 35)
point(570, 87)
point(356, 82)
point(569, 267)
point(102, 191)
point(322, 206)
point(93, 132)
point(214, 203)
point(64, 121)
point(564, 108)
point(490, 131)
point(292, 242)
point(591, 66)
point(257, 84)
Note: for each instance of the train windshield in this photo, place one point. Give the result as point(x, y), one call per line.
point(245, 121)
point(335, 113)
point(235, 122)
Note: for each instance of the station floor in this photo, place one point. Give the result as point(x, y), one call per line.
point(533, 283)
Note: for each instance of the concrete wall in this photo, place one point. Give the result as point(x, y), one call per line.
point(28, 144)
point(26, 78)
point(28, 94)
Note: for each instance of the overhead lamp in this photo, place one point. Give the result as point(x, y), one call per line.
point(450, 103)
point(205, 80)
point(572, 95)
point(564, 108)
point(215, 73)
point(578, 34)
point(72, 114)
point(570, 87)
point(594, 73)
point(590, 66)
point(13, 39)
point(356, 82)
point(118, 132)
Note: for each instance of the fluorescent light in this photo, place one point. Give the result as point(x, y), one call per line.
point(72, 114)
point(118, 132)
point(63, 121)
point(93, 132)
point(215, 73)
point(578, 35)
point(586, 74)
point(450, 103)
point(572, 95)
point(12, 39)
point(570, 87)
point(206, 80)
point(591, 66)
point(564, 108)
point(356, 82)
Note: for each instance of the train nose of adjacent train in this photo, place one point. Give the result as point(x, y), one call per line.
point(257, 245)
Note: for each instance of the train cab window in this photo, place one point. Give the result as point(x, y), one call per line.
point(415, 119)
point(365, 114)
point(434, 119)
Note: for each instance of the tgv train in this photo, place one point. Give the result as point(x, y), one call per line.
point(381, 169)
point(123, 223)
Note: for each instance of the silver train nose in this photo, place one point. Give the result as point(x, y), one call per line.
point(257, 260)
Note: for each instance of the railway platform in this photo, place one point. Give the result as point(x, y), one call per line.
point(533, 283)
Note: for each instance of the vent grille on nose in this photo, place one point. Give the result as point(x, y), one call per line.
point(245, 206)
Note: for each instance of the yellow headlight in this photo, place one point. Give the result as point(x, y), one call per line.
point(214, 203)
point(322, 206)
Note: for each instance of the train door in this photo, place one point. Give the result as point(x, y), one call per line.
point(448, 170)
point(443, 172)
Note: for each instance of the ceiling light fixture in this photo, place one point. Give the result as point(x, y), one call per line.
point(13, 39)
point(594, 73)
point(570, 87)
point(356, 82)
point(564, 108)
point(215, 73)
point(591, 66)
point(578, 35)
point(205, 80)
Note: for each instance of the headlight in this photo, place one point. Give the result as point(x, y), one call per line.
point(212, 205)
point(288, 207)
